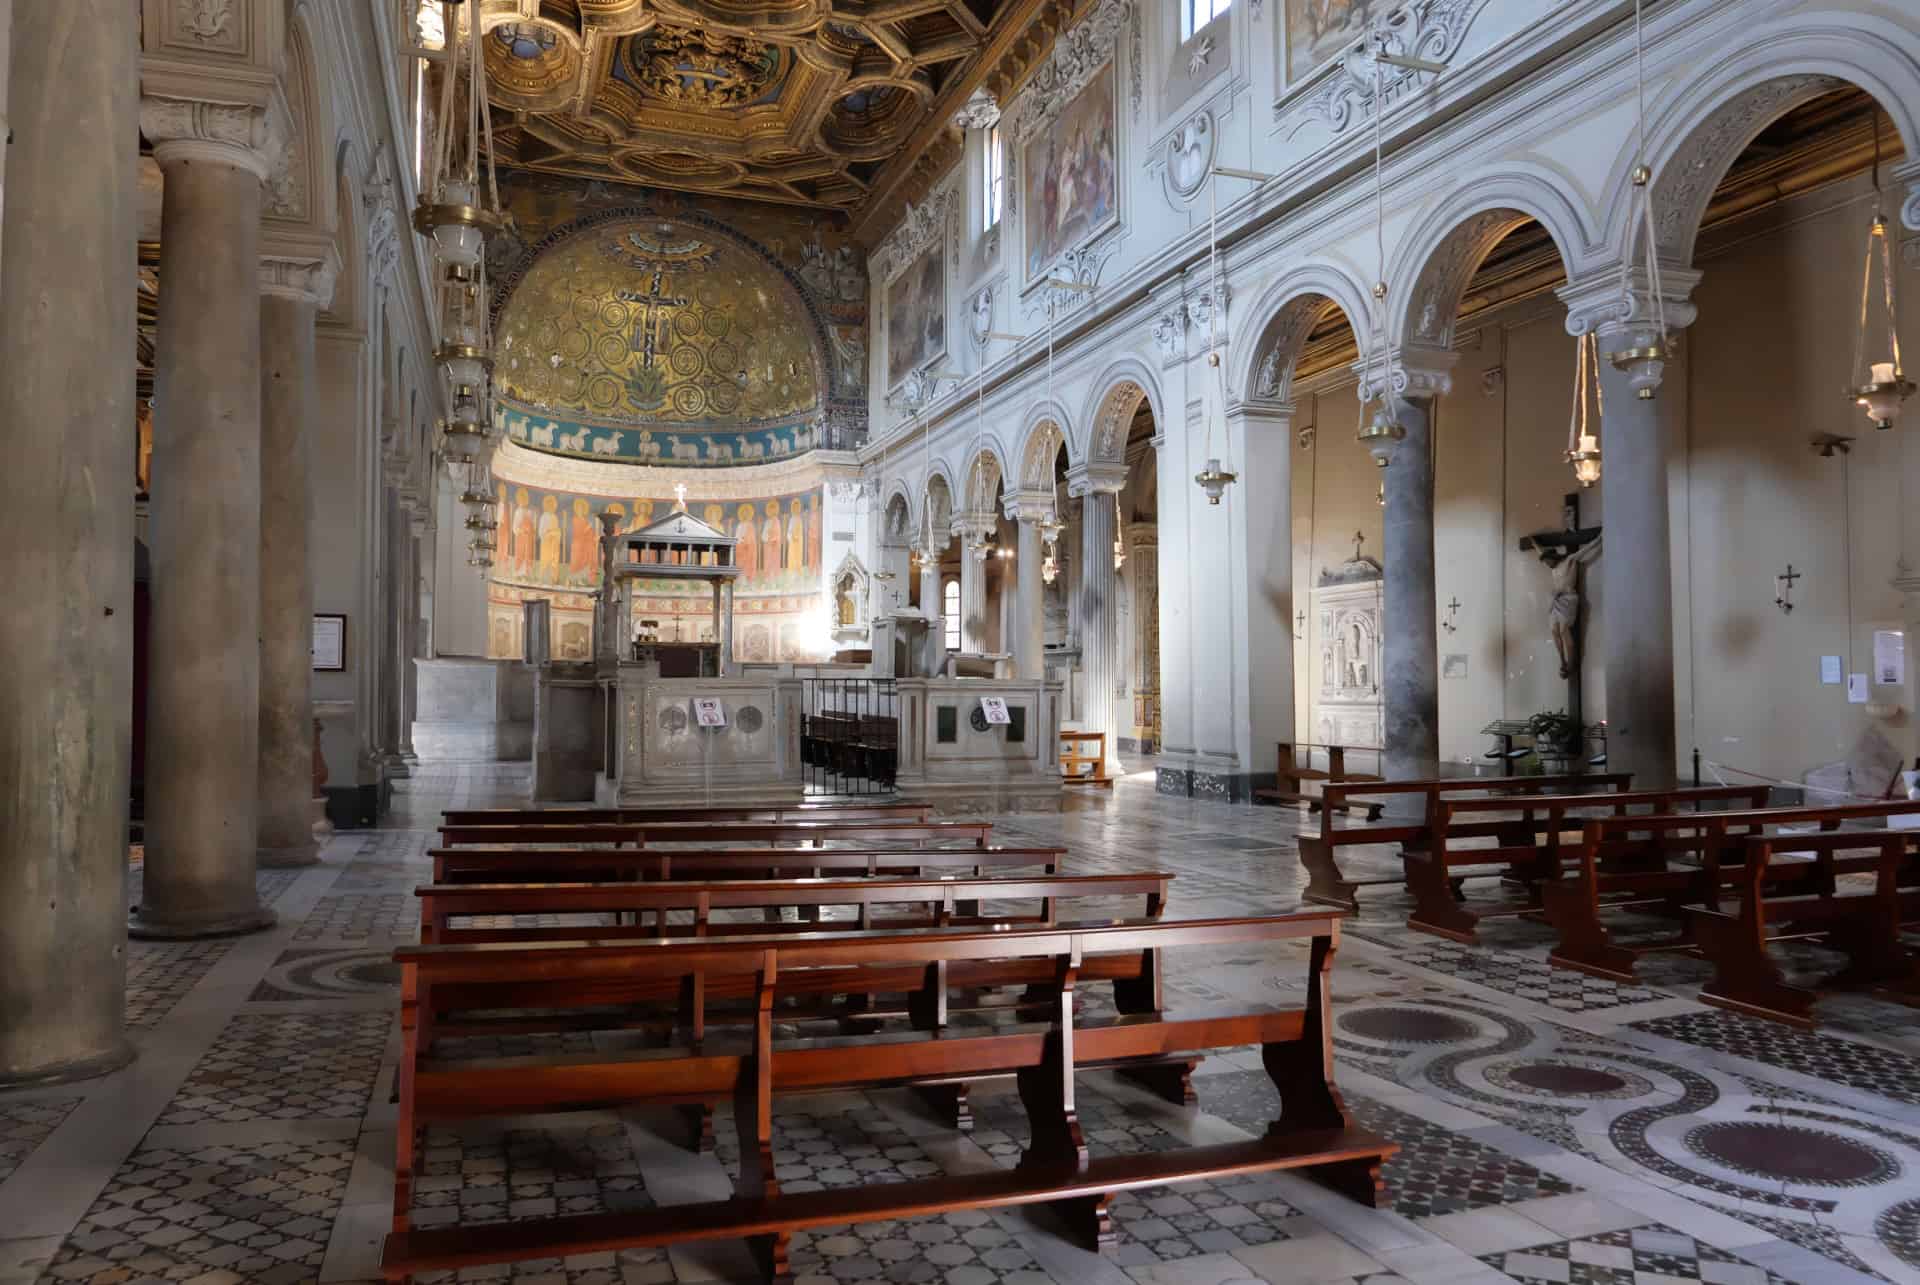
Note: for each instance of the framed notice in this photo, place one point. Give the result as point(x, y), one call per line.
point(1889, 656)
point(329, 642)
point(995, 708)
point(708, 712)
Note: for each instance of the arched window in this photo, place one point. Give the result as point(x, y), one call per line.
point(950, 613)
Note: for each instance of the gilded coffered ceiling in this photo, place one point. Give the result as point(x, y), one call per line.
point(809, 102)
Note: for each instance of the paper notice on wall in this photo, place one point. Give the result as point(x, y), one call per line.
point(1856, 689)
point(995, 708)
point(708, 711)
point(1889, 656)
point(1830, 670)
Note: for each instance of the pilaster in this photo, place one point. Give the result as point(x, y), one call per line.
point(1098, 486)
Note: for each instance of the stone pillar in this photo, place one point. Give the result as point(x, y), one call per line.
point(935, 658)
point(1143, 557)
point(1029, 611)
point(1636, 564)
point(410, 627)
point(1410, 690)
point(1636, 569)
point(1098, 488)
point(725, 632)
point(66, 656)
point(292, 292)
point(973, 590)
point(203, 702)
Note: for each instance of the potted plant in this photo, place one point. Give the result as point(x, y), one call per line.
point(1556, 734)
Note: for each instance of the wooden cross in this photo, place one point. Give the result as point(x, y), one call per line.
point(1359, 538)
point(652, 307)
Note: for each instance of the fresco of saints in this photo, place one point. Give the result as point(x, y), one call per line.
point(796, 536)
point(771, 542)
point(524, 543)
point(813, 531)
point(585, 562)
point(746, 553)
point(642, 514)
point(550, 538)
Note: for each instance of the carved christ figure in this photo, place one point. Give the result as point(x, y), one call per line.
point(1563, 612)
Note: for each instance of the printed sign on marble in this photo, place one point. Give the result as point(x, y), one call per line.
point(917, 314)
point(1068, 179)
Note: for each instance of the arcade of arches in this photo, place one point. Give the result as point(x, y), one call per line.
point(962, 398)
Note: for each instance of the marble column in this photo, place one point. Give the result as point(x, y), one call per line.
point(1636, 566)
point(973, 591)
point(1143, 558)
point(1410, 690)
point(66, 652)
point(1636, 570)
point(1099, 630)
point(1029, 618)
point(292, 292)
point(936, 646)
point(203, 695)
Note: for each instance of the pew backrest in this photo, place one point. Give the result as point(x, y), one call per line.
point(1335, 793)
point(539, 865)
point(647, 833)
point(526, 817)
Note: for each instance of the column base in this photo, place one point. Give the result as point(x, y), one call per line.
point(303, 854)
point(85, 1068)
point(143, 926)
point(322, 827)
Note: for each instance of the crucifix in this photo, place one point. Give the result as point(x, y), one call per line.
point(652, 306)
point(679, 497)
point(1564, 553)
point(1359, 538)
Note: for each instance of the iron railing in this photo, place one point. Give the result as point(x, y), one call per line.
point(850, 736)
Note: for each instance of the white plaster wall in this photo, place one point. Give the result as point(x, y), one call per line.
point(340, 575)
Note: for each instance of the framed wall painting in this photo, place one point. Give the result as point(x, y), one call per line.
point(329, 642)
point(917, 313)
point(1320, 29)
point(1069, 179)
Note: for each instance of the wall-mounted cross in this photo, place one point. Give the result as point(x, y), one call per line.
point(1359, 538)
point(653, 307)
point(1783, 588)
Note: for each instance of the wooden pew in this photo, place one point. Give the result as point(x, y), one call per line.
point(947, 902)
point(1536, 854)
point(1292, 775)
point(614, 816)
point(1314, 1133)
point(542, 865)
point(643, 834)
point(943, 900)
point(1574, 905)
point(1327, 886)
point(1785, 900)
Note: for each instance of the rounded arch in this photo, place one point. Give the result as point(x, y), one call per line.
point(938, 490)
point(1263, 356)
point(1694, 137)
point(1116, 398)
point(897, 515)
point(1447, 245)
point(299, 188)
point(348, 305)
point(985, 474)
point(1046, 420)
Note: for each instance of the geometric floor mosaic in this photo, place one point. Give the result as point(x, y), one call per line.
point(317, 1066)
point(1513, 1081)
point(25, 1125)
point(212, 1215)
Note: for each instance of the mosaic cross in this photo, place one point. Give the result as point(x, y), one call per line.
point(653, 314)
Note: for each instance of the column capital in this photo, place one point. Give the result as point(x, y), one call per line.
point(973, 522)
point(303, 278)
point(1410, 371)
point(242, 135)
point(1096, 478)
point(1261, 409)
point(1907, 173)
point(1028, 506)
point(1616, 303)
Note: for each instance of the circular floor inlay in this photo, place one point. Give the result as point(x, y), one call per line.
point(1792, 1153)
point(1399, 1025)
point(1557, 1077)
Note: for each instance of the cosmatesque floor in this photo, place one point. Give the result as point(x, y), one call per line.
point(1553, 1127)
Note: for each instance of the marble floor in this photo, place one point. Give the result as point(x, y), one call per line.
point(1553, 1127)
